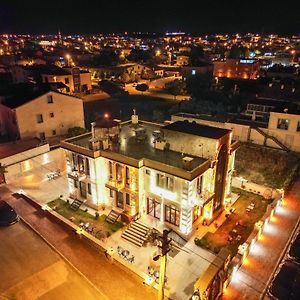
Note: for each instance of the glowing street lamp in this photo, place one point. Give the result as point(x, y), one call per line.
point(68, 58)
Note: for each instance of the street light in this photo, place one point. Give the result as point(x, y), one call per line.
point(68, 58)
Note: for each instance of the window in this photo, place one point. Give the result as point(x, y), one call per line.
point(53, 132)
point(147, 172)
point(51, 115)
point(199, 184)
point(87, 166)
point(83, 189)
point(110, 166)
point(127, 199)
point(283, 124)
point(153, 208)
point(111, 193)
point(80, 164)
point(39, 118)
point(160, 180)
point(50, 99)
point(170, 183)
point(298, 126)
point(89, 189)
point(127, 176)
point(67, 81)
point(165, 182)
point(75, 183)
point(172, 215)
point(119, 171)
point(42, 136)
point(120, 200)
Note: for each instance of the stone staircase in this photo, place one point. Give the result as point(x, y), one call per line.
point(136, 233)
point(76, 204)
point(112, 217)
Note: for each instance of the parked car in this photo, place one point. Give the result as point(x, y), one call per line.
point(8, 215)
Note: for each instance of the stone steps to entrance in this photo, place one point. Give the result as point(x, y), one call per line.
point(136, 233)
point(76, 204)
point(112, 217)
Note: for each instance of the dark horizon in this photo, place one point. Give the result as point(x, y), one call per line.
point(34, 17)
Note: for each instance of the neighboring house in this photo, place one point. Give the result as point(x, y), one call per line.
point(182, 60)
point(237, 68)
point(177, 174)
point(189, 70)
point(75, 79)
point(47, 115)
point(281, 130)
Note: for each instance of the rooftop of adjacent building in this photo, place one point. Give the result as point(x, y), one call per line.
point(12, 148)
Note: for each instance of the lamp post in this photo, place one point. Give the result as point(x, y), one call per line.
point(68, 58)
point(163, 262)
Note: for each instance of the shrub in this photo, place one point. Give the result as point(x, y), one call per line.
point(86, 210)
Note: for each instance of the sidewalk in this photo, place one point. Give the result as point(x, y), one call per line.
point(112, 280)
point(253, 277)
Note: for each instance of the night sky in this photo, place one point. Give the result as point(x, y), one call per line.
point(211, 16)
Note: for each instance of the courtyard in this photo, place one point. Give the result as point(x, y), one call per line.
point(238, 225)
point(94, 224)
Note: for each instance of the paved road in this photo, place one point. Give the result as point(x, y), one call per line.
point(110, 279)
point(30, 269)
point(253, 277)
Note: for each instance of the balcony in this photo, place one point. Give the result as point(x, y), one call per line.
point(76, 175)
point(115, 185)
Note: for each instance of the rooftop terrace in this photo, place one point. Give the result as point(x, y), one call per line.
point(130, 147)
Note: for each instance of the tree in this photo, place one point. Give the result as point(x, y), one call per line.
point(176, 87)
point(199, 84)
point(143, 87)
point(125, 78)
point(74, 131)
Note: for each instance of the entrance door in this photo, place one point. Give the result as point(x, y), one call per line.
point(120, 200)
point(153, 208)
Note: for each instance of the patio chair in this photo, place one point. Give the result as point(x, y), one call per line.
point(131, 259)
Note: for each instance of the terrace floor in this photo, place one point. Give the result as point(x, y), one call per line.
point(237, 226)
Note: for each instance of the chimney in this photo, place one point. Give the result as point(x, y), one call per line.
point(134, 118)
point(93, 124)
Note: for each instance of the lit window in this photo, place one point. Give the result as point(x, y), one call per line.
point(283, 124)
point(193, 72)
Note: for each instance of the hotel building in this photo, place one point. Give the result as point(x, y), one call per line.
point(176, 173)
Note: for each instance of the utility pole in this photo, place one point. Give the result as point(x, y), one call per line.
point(165, 248)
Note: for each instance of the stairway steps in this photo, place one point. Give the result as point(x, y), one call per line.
point(112, 217)
point(134, 237)
point(137, 231)
point(135, 234)
point(139, 244)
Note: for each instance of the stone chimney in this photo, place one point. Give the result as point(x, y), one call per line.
point(134, 117)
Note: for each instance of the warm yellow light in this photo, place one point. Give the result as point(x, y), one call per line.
point(106, 115)
point(68, 56)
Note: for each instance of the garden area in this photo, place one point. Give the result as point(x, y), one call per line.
point(269, 167)
point(97, 225)
point(246, 211)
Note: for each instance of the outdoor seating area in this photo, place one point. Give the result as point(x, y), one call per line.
point(54, 175)
point(125, 254)
point(93, 224)
point(239, 223)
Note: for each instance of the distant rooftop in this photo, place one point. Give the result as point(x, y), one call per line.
point(197, 129)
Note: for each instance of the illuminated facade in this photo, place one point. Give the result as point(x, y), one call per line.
point(177, 173)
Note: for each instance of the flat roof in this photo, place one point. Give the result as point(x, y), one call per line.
point(12, 148)
point(129, 146)
point(197, 129)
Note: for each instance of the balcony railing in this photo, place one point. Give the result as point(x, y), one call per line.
point(76, 175)
point(115, 185)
